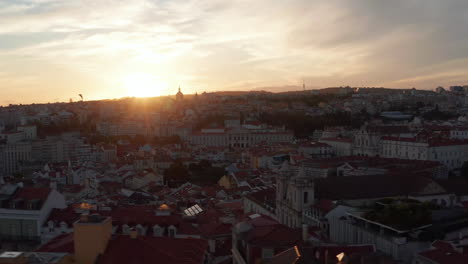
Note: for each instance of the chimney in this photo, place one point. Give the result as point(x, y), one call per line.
point(133, 233)
point(305, 232)
point(84, 217)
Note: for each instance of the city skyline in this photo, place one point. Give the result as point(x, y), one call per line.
point(54, 50)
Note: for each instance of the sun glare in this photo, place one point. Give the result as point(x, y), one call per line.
point(143, 85)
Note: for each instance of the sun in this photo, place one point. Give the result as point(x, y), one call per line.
point(143, 85)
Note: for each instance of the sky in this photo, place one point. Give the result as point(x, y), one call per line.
point(53, 50)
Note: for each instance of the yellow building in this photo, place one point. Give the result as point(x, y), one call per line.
point(227, 182)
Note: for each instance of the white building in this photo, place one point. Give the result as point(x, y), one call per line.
point(451, 153)
point(294, 194)
point(340, 146)
point(30, 132)
point(12, 154)
point(238, 138)
point(24, 211)
point(366, 140)
point(12, 137)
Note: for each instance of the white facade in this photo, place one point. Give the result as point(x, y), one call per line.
point(13, 137)
point(12, 154)
point(448, 153)
point(36, 217)
point(366, 141)
point(341, 147)
point(241, 138)
point(126, 128)
point(30, 132)
point(293, 196)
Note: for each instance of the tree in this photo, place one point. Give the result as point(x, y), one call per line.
point(204, 164)
point(176, 173)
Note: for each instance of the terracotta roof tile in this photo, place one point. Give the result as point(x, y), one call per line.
point(143, 249)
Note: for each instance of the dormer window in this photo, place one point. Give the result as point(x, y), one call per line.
point(158, 231)
point(63, 227)
point(50, 225)
point(141, 230)
point(172, 231)
point(125, 229)
point(17, 203)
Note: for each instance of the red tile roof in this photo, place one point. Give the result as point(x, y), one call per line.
point(216, 229)
point(442, 245)
point(60, 244)
point(444, 255)
point(67, 215)
point(370, 186)
point(274, 236)
point(324, 205)
point(143, 250)
point(32, 193)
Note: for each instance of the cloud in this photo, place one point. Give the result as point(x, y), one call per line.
point(219, 44)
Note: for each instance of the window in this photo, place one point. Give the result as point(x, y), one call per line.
point(171, 232)
point(306, 197)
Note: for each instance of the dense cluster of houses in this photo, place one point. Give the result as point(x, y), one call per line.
point(387, 192)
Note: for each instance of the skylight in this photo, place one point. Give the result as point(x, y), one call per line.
point(194, 210)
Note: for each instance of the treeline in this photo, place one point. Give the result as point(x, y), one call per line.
point(304, 125)
point(213, 119)
point(135, 140)
point(198, 173)
point(308, 99)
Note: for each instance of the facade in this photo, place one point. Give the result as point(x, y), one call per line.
point(61, 149)
point(451, 153)
point(12, 154)
point(293, 195)
point(30, 132)
point(316, 150)
point(124, 128)
point(340, 146)
point(24, 210)
point(238, 138)
point(366, 141)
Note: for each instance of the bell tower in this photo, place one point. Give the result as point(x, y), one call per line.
point(179, 96)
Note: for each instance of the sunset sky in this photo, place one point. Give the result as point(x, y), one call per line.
point(54, 50)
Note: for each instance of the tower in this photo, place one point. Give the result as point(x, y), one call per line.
point(294, 195)
point(179, 96)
